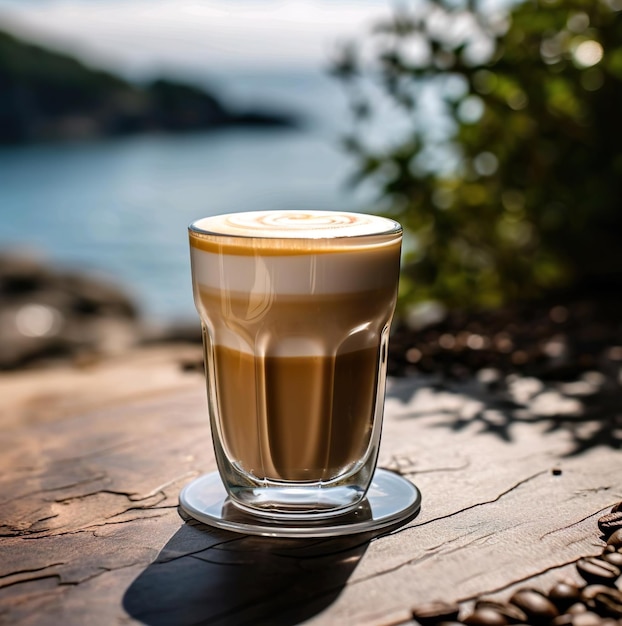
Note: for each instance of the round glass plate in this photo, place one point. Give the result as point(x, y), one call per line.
point(391, 499)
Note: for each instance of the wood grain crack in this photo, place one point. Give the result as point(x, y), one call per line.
point(124, 521)
point(431, 552)
point(32, 537)
point(83, 496)
point(59, 577)
point(32, 579)
point(52, 489)
point(580, 521)
point(517, 485)
point(165, 559)
point(22, 532)
point(25, 571)
point(516, 581)
point(163, 486)
point(404, 466)
point(103, 570)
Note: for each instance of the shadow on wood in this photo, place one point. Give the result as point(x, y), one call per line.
point(587, 409)
point(208, 576)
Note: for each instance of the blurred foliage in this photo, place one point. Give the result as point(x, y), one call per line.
point(521, 191)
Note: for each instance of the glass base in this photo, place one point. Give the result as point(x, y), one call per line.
point(284, 501)
point(390, 500)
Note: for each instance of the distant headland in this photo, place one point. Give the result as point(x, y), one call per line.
point(48, 96)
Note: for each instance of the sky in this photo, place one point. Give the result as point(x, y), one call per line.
point(143, 36)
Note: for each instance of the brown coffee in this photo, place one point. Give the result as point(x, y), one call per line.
point(299, 429)
point(294, 416)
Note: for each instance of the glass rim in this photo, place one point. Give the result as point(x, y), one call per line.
point(393, 228)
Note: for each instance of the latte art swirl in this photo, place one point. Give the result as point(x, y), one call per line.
point(296, 224)
point(298, 220)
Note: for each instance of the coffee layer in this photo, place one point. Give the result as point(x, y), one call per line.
point(296, 418)
point(286, 325)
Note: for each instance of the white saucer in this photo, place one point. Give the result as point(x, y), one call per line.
point(391, 499)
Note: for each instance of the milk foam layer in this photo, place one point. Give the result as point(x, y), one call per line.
point(295, 275)
point(306, 253)
point(295, 224)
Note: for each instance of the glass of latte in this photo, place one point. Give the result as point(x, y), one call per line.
point(295, 308)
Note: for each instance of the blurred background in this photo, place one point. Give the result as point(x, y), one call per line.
point(79, 191)
point(122, 122)
point(489, 128)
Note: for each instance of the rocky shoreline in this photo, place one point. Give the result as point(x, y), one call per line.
point(50, 316)
point(48, 96)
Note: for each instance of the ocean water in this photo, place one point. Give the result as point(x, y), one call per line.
point(121, 207)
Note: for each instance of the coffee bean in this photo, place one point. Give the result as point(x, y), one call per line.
point(537, 607)
point(615, 539)
point(615, 558)
point(433, 612)
point(512, 613)
point(591, 591)
point(564, 594)
point(575, 609)
point(610, 523)
point(485, 616)
point(616, 508)
point(594, 570)
point(608, 603)
point(582, 619)
point(586, 619)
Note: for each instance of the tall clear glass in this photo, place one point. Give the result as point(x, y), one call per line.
point(296, 309)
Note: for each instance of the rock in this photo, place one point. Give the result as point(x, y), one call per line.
point(48, 313)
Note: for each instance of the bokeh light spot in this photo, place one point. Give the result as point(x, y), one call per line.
point(588, 53)
point(37, 320)
point(471, 110)
point(485, 163)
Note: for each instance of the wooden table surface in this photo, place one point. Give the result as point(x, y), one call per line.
point(514, 475)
